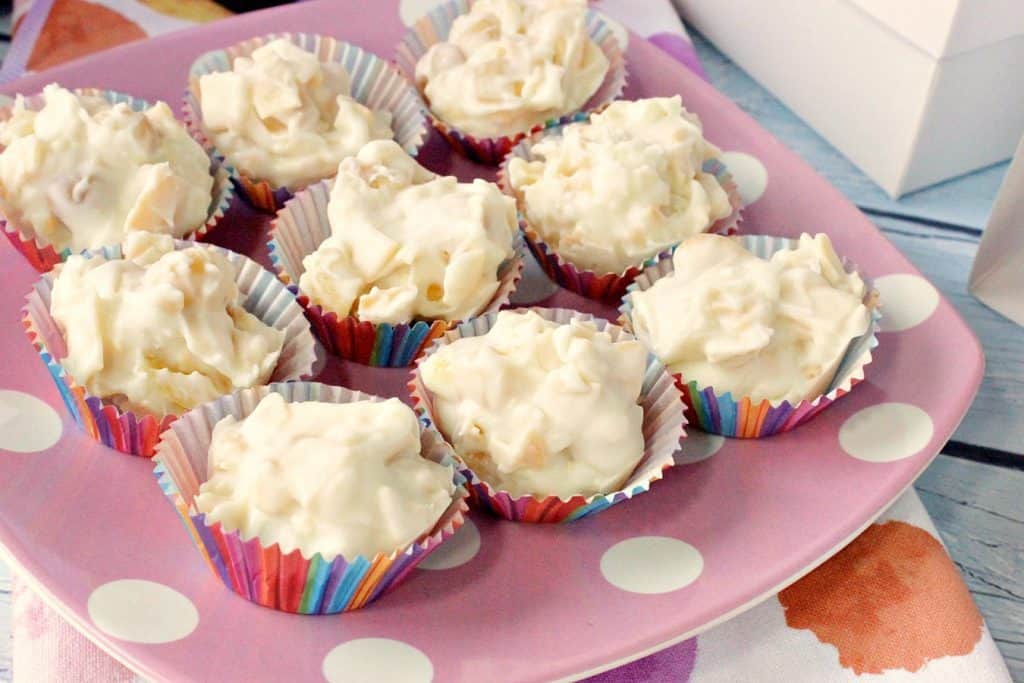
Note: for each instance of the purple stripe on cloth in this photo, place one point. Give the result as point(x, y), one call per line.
point(671, 664)
point(25, 41)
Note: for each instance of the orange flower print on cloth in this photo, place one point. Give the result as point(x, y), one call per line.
point(75, 28)
point(892, 599)
point(67, 35)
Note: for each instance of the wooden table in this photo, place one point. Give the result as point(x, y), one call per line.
point(973, 491)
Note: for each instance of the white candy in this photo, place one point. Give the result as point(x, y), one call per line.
point(83, 172)
point(336, 479)
point(609, 193)
point(407, 243)
point(160, 331)
point(540, 408)
point(283, 116)
point(510, 64)
point(772, 329)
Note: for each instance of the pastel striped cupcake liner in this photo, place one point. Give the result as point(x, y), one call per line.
point(375, 83)
point(290, 582)
point(605, 287)
point(299, 229)
point(664, 427)
point(740, 417)
point(136, 433)
point(434, 28)
point(43, 255)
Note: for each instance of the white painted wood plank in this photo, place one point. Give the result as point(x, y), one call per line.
point(978, 512)
point(994, 419)
point(963, 201)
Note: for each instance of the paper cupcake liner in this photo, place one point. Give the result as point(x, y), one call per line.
point(43, 255)
point(265, 575)
point(664, 426)
point(605, 287)
point(299, 229)
point(741, 417)
point(375, 83)
point(135, 433)
point(434, 27)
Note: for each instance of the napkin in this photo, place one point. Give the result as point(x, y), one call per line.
point(997, 278)
point(891, 606)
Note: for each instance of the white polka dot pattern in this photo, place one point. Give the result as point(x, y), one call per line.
point(411, 10)
point(907, 301)
point(456, 551)
point(886, 432)
point(370, 660)
point(651, 564)
point(27, 424)
point(141, 611)
point(698, 446)
point(749, 173)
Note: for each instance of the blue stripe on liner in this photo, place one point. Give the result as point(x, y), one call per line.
point(346, 590)
point(381, 354)
point(417, 332)
point(727, 415)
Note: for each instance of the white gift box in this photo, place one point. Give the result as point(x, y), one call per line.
point(912, 91)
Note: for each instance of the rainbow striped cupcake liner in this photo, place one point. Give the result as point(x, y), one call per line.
point(135, 433)
point(375, 83)
point(299, 229)
point(434, 27)
point(664, 427)
point(290, 582)
point(605, 287)
point(741, 417)
point(43, 256)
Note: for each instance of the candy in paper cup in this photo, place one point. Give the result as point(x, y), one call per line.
point(605, 287)
point(42, 254)
point(434, 28)
point(290, 582)
point(375, 83)
point(299, 229)
point(722, 413)
point(664, 427)
point(136, 433)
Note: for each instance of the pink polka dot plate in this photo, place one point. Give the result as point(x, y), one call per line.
point(500, 601)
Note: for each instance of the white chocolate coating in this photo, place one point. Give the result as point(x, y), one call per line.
point(772, 329)
point(160, 331)
point(609, 193)
point(84, 173)
point(331, 478)
point(508, 65)
point(283, 116)
point(408, 244)
point(539, 408)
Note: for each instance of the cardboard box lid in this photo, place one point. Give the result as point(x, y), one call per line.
point(944, 28)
